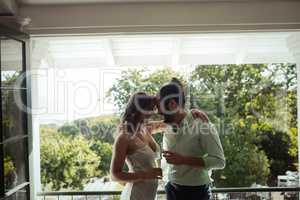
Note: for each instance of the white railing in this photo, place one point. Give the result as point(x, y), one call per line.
point(268, 193)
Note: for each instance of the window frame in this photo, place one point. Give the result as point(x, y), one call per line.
point(24, 39)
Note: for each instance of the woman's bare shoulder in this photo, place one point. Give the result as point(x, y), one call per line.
point(122, 137)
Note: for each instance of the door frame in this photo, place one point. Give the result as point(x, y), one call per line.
point(24, 39)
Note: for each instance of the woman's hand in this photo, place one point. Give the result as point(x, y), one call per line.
point(154, 173)
point(200, 114)
point(155, 126)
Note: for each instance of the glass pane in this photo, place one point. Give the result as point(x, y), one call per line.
point(11, 63)
point(13, 123)
point(14, 164)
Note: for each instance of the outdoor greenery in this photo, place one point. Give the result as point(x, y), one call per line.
point(70, 158)
point(253, 107)
point(10, 119)
point(10, 175)
point(137, 81)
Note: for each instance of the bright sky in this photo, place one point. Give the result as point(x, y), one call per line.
point(75, 93)
point(79, 90)
point(68, 94)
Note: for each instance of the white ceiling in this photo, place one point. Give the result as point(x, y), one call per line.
point(174, 50)
point(166, 50)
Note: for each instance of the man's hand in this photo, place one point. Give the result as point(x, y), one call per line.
point(174, 158)
point(200, 114)
point(177, 159)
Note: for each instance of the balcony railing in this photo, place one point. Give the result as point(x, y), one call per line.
point(269, 193)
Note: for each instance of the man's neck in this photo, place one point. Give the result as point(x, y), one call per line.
point(177, 118)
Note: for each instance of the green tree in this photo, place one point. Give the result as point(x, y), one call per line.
point(104, 128)
point(252, 105)
point(99, 128)
point(245, 163)
point(66, 162)
point(139, 80)
point(280, 157)
point(103, 151)
point(84, 127)
point(57, 150)
point(69, 129)
point(260, 95)
point(293, 151)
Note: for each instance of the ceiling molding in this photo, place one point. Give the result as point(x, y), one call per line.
point(166, 17)
point(74, 2)
point(168, 50)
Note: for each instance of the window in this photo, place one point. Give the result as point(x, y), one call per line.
point(14, 183)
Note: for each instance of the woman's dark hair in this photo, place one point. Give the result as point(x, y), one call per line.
point(173, 91)
point(139, 103)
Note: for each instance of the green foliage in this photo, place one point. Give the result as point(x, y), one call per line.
point(9, 107)
point(96, 128)
point(140, 80)
point(104, 128)
point(69, 130)
point(66, 162)
point(132, 81)
point(10, 77)
point(280, 159)
point(9, 166)
point(253, 106)
point(293, 150)
point(259, 96)
point(228, 88)
point(103, 151)
point(70, 157)
point(10, 174)
point(247, 103)
point(245, 163)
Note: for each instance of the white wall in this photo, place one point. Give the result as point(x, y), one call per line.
point(164, 17)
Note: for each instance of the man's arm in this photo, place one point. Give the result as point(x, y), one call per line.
point(214, 157)
point(210, 141)
point(211, 144)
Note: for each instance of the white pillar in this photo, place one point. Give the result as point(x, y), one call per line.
point(293, 43)
point(39, 51)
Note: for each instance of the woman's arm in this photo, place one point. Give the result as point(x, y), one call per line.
point(200, 114)
point(155, 126)
point(118, 161)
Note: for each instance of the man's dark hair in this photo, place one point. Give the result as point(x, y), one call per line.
point(173, 91)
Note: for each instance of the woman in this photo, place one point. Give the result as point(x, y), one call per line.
point(136, 146)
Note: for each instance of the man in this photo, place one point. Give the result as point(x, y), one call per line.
point(192, 147)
